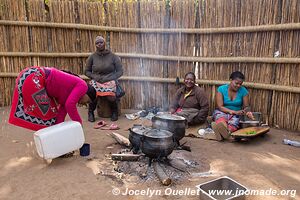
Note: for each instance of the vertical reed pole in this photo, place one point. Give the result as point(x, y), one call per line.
point(238, 23)
point(274, 68)
point(145, 94)
point(166, 38)
point(78, 46)
point(106, 23)
point(29, 28)
point(197, 38)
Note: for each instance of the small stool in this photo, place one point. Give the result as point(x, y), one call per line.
point(103, 107)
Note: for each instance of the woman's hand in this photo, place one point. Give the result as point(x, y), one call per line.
point(250, 115)
point(239, 112)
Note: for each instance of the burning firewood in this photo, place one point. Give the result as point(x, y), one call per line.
point(120, 139)
point(164, 179)
point(125, 157)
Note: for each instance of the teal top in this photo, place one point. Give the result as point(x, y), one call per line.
point(235, 104)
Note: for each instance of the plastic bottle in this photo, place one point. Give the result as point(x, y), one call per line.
point(206, 131)
point(291, 142)
point(59, 139)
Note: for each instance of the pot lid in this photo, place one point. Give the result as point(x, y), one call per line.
point(158, 133)
point(168, 116)
point(139, 129)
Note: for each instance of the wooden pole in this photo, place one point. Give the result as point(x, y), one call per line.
point(161, 57)
point(260, 86)
point(243, 29)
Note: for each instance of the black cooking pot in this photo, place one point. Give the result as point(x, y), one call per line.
point(173, 123)
point(157, 143)
point(135, 135)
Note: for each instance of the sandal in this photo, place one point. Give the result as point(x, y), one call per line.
point(111, 127)
point(100, 124)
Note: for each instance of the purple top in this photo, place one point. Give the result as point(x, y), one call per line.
point(67, 90)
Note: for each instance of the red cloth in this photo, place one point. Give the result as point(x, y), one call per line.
point(31, 107)
point(104, 89)
point(230, 127)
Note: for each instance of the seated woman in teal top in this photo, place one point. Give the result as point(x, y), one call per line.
point(237, 103)
point(232, 102)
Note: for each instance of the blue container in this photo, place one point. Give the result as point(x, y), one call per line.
point(85, 149)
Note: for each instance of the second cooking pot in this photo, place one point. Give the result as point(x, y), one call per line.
point(157, 143)
point(135, 135)
point(173, 123)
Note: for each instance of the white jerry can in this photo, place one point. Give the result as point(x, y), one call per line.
point(57, 140)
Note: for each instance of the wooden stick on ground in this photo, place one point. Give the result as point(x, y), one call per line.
point(164, 179)
point(125, 157)
point(177, 164)
point(120, 139)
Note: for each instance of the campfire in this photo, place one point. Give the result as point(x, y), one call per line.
point(155, 152)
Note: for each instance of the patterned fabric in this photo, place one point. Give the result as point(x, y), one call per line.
point(231, 120)
point(104, 89)
point(32, 108)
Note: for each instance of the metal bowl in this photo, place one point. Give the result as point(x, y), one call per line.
point(247, 122)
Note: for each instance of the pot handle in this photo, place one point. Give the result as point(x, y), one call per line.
point(142, 138)
point(174, 142)
point(186, 123)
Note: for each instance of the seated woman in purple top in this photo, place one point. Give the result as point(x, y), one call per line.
point(232, 102)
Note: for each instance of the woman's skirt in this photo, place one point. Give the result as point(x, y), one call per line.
point(232, 120)
point(31, 107)
point(104, 89)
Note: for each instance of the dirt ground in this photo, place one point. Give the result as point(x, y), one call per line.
point(259, 164)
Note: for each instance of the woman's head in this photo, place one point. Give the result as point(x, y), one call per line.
point(237, 78)
point(100, 43)
point(89, 96)
point(189, 80)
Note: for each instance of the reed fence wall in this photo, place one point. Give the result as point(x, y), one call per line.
point(159, 40)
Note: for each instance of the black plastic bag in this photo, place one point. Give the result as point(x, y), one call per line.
point(119, 90)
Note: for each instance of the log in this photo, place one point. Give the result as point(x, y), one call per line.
point(120, 139)
point(177, 164)
point(125, 157)
point(162, 176)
